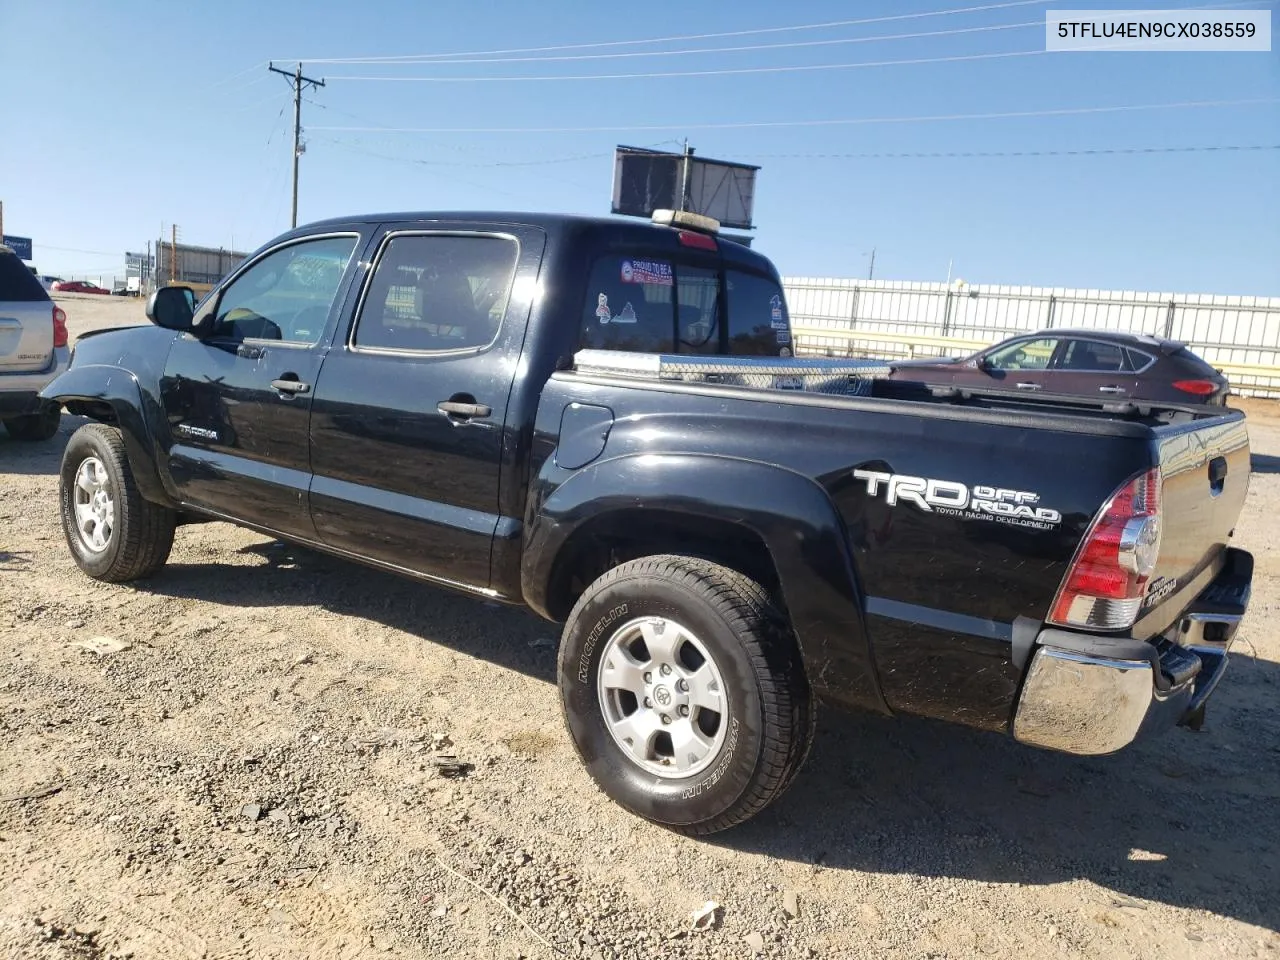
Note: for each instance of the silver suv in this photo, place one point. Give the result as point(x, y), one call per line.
point(33, 350)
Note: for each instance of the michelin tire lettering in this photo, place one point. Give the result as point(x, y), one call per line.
point(949, 498)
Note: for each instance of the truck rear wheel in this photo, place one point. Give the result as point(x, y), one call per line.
point(684, 692)
point(113, 532)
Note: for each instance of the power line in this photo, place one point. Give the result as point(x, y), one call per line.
point(473, 163)
point(1088, 152)
point(463, 57)
point(428, 57)
point(427, 163)
point(855, 121)
point(955, 31)
point(48, 246)
point(879, 155)
point(238, 74)
point(735, 71)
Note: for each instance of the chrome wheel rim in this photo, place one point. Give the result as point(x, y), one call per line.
point(663, 698)
point(95, 505)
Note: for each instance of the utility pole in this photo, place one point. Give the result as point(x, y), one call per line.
point(173, 253)
point(871, 270)
point(298, 81)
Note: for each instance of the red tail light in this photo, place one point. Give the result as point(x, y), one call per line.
point(59, 327)
point(1200, 388)
point(700, 240)
point(1108, 578)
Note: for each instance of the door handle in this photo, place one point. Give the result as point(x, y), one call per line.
point(291, 387)
point(463, 411)
point(1112, 390)
point(1027, 386)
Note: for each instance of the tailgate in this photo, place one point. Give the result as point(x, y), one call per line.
point(1205, 470)
point(26, 335)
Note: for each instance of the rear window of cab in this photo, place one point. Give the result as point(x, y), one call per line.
point(651, 305)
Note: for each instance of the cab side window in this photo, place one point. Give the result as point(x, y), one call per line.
point(287, 294)
point(437, 292)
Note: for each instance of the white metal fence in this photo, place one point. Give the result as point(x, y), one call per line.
point(1240, 335)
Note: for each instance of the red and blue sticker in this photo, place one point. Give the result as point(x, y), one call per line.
point(648, 271)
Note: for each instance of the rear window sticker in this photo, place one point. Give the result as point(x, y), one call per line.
point(602, 308)
point(648, 271)
point(784, 352)
point(628, 314)
point(784, 336)
point(775, 307)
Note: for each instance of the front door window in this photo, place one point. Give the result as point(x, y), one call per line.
point(1023, 355)
point(286, 295)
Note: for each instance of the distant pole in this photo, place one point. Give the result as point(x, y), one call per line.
point(686, 169)
point(950, 261)
point(871, 270)
point(173, 253)
point(1, 221)
point(298, 81)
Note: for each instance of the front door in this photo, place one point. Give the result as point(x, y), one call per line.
point(407, 436)
point(1020, 366)
point(238, 396)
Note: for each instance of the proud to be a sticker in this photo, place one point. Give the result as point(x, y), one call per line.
point(647, 271)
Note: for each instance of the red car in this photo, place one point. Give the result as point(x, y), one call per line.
point(78, 286)
point(1089, 363)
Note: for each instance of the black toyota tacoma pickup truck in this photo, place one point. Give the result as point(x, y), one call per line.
point(602, 420)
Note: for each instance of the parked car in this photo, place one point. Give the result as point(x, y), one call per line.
point(33, 351)
point(529, 409)
point(48, 281)
point(79, 286)
point(1080, 362)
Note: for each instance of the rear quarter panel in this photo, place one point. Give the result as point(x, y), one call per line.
point(941, 588)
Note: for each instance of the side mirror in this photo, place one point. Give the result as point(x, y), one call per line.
point(172, 308)
point(981, 363)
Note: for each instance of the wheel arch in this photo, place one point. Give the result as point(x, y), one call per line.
point(113, 396)
point(772, 524)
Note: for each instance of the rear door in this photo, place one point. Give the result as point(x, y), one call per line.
point(26, 319)
point(407, 431)
point(238, 398)
point(1094, 368)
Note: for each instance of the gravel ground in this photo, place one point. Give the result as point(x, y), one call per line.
point(249, 766)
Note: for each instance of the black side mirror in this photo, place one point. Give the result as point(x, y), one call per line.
point(172, 308)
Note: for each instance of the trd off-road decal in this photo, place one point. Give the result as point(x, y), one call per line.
point(1019, 508)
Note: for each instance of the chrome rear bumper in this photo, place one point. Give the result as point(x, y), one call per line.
point(1091, 695)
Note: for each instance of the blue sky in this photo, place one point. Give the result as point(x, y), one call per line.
point(152, 113)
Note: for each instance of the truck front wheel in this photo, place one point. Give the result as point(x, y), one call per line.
point(684, 692)
point(113, 532)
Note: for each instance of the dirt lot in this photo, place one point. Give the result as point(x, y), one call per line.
point(253, 776)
